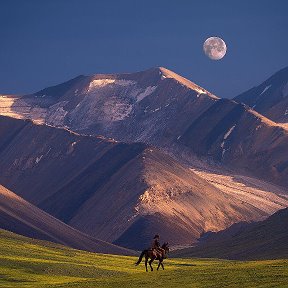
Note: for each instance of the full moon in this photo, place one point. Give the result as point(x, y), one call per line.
point(215, 48)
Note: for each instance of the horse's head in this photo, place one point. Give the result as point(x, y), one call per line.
point(165, 246)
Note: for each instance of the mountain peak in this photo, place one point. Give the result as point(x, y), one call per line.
point(151, 77)
point(166, 73)
point(270, 98)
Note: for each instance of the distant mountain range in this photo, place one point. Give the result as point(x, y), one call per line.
point(184, 161)
point(163, 109)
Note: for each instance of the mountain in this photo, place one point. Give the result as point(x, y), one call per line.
point(119, 192)
point(19, 216)
point(160, 108)
point(266, 239)
point(269, 98)
point(115, 97)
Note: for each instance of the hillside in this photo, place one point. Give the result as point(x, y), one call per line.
point(270, 97)
point(19, 216)
point(163, 109)
point(121, 193)
point(266, 239)
point(42, 264)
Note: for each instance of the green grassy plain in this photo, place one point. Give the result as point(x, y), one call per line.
point(29, 263)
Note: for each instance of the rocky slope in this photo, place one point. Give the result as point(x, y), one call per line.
point(19, 216)
point(241, 139)
point(117, 192)
point(269, 98)
point(267, 239)
point(161, 108)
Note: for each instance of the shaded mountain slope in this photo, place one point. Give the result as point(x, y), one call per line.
point(163, 109)
point(106, 188)
point(242, 138)
point(19, 216)
point(269, 98)
point(54, 157)
point(267, 239)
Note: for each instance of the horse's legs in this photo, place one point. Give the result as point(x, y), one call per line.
point(150, 263)
point(146, 260)
point(159, 264)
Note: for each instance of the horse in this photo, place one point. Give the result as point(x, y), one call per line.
point(154, 255)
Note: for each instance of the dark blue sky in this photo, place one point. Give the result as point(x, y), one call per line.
point(43, 43)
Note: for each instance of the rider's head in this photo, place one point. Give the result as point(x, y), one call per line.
point(156, 236)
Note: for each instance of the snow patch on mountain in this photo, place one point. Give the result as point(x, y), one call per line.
point(99, 83)
point(265, 89)
point(113, 99)
point(38, 159)
point(227, 134)
point(148, 91)
point(155, 110)
point(57, 113)
point(256, 192)
point(116, 110)
point(124, 82)
point(104, 82)
point(40, 96)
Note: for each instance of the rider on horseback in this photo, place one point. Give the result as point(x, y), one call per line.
point(156, 245)
point(154, 253)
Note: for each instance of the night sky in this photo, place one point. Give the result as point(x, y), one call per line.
point(43, 43)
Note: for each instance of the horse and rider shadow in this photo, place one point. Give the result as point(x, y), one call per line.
point(156, 252)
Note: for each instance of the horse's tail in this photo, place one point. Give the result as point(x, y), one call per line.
point(140, 257)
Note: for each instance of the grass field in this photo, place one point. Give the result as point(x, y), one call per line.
point(28, 263)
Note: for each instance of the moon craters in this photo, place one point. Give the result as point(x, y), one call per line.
point(215, 48)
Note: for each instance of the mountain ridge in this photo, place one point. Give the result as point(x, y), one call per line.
point(19, 216)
